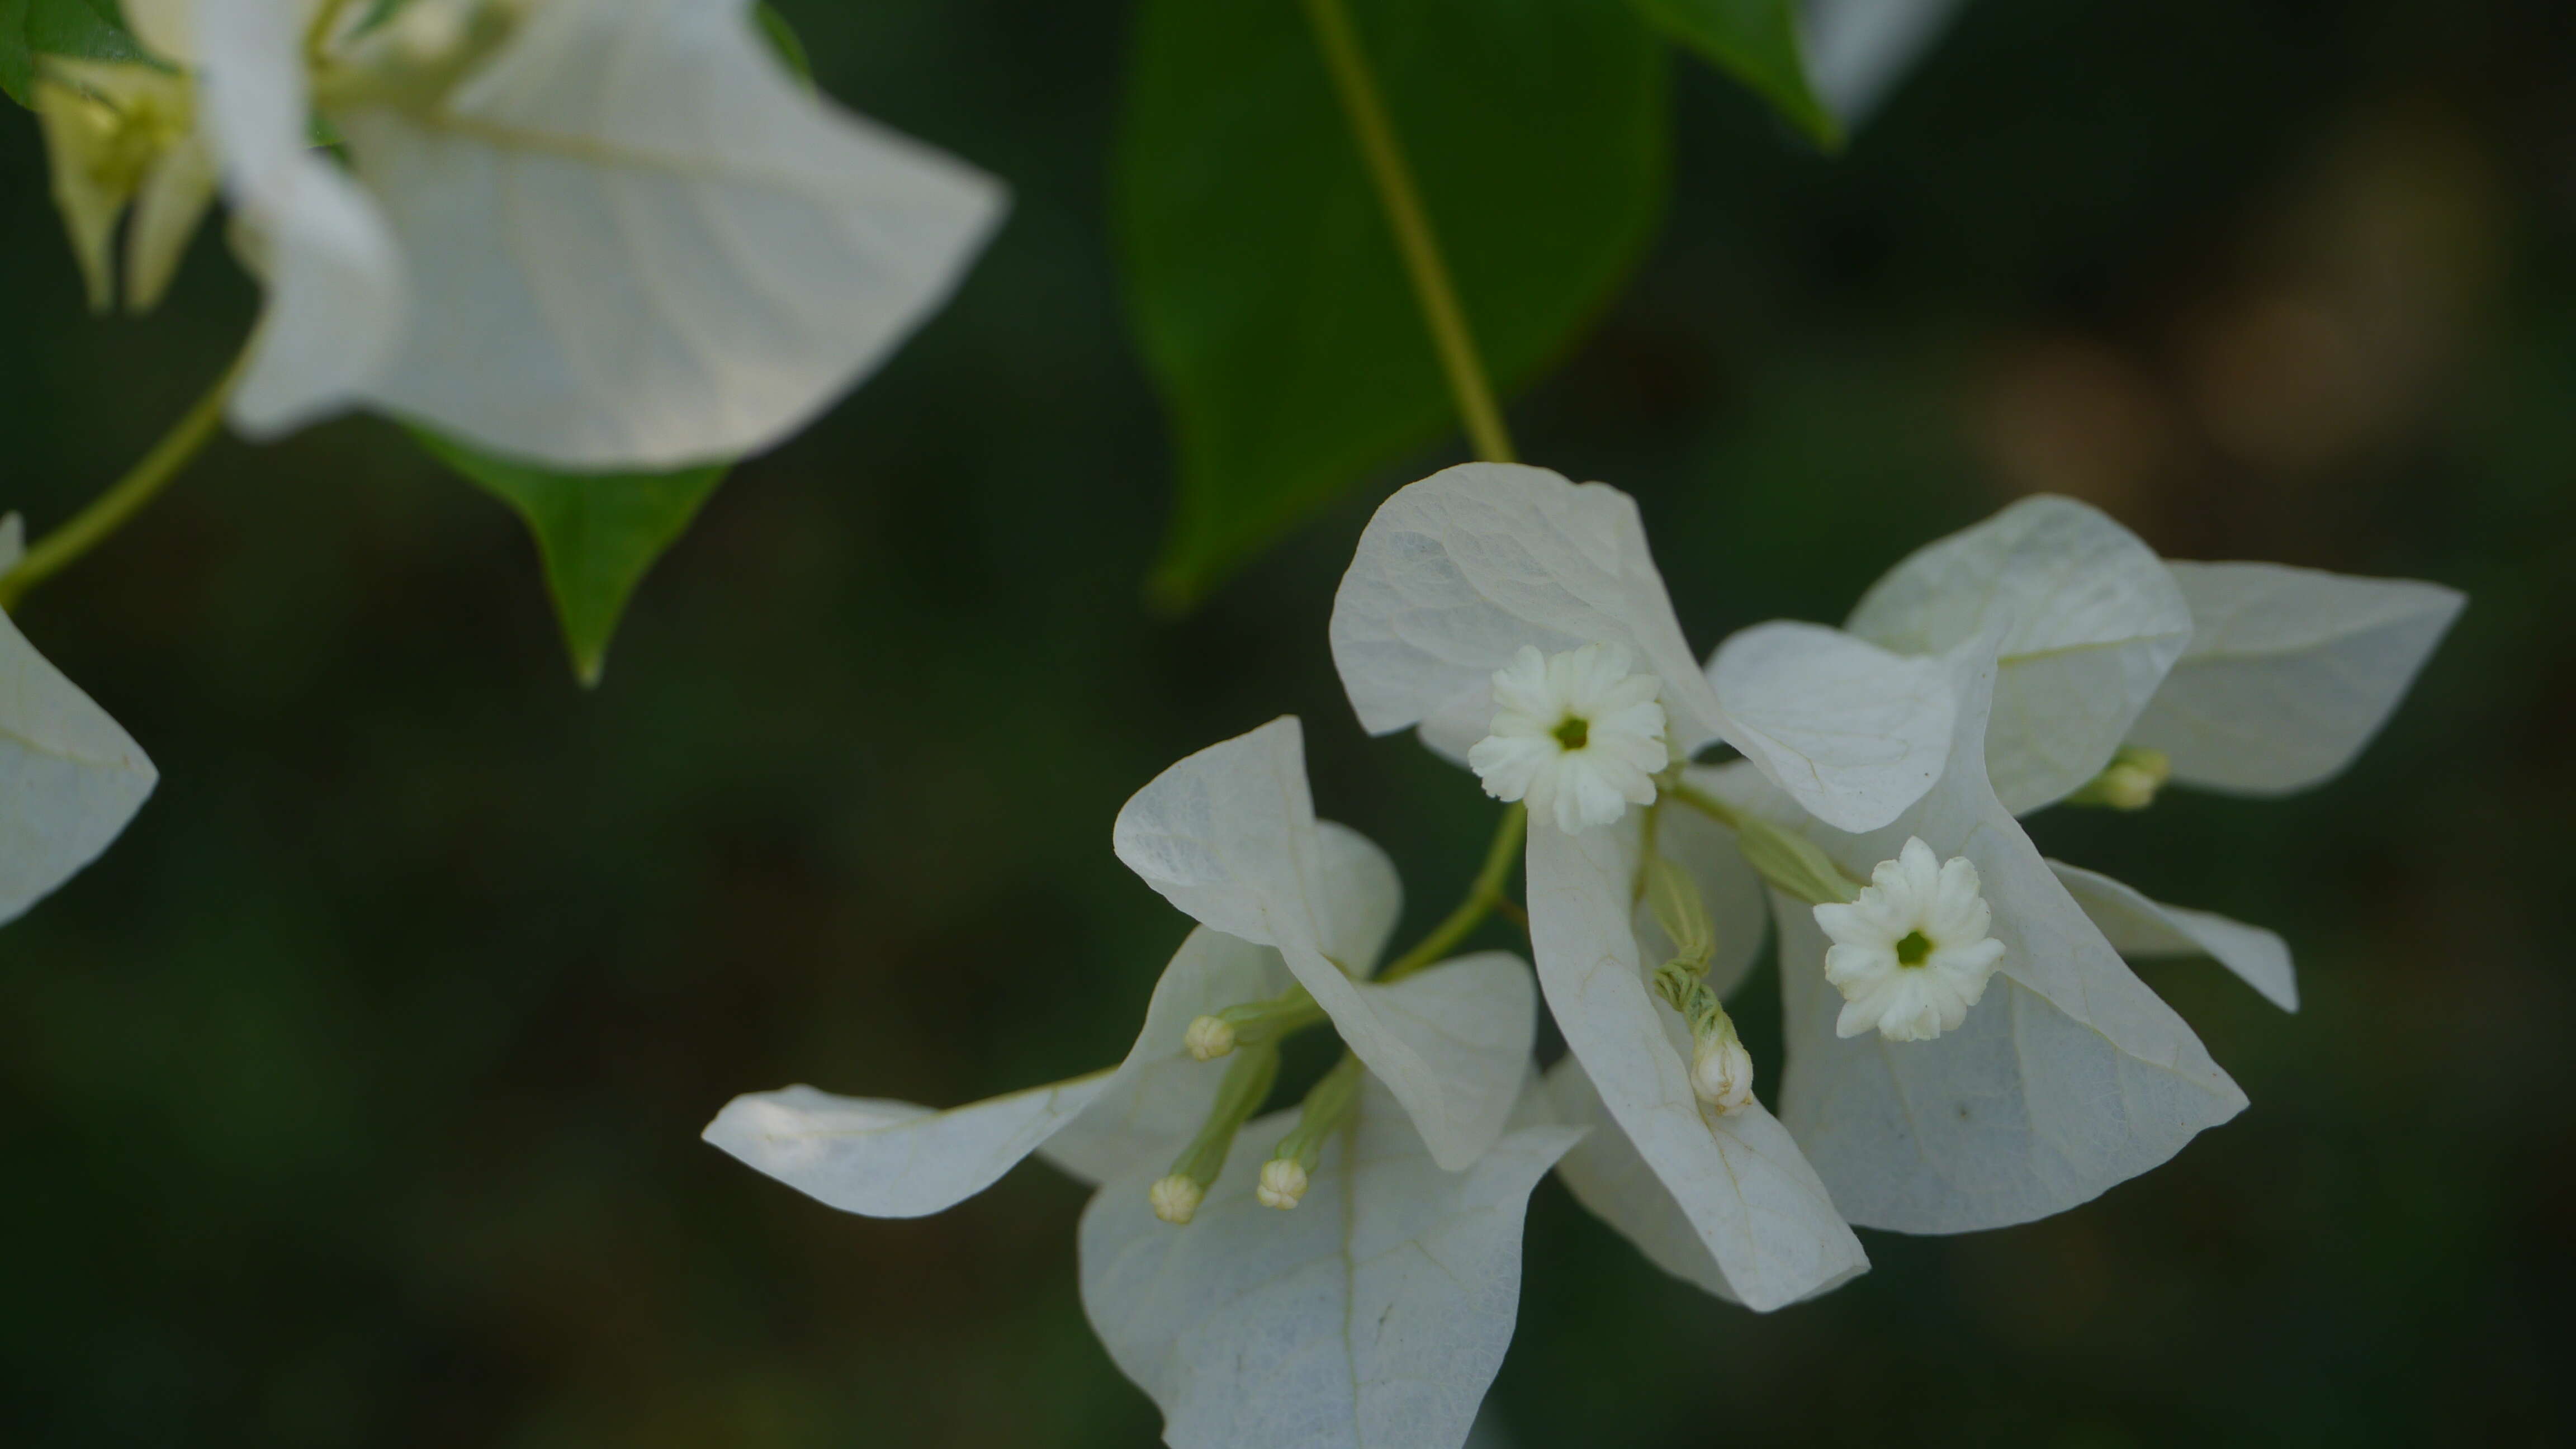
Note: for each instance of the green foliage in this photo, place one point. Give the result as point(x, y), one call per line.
point(597, 533)
point(88, 29)
point(1262, 280)
point(1756, 41)
point(783, 39)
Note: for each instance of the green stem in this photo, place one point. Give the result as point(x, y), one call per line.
point(108, 512)
point(1482, 898)
point(1706, 804)
point(1414, 239)
point(1246, 1086)
point(1327, 1106)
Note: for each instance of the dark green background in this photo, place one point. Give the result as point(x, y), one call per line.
point(353, 1099)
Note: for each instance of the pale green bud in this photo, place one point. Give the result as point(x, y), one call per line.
point(1793, 863)
point(1283, 1183)
point(2130, 782)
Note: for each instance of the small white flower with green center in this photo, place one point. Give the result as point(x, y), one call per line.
point(1910, 953)
point(1577, 735)
point(70, 777)
point(1379, 1310)
point(594, 234)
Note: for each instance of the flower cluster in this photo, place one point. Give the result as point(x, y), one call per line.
point(1948, 1050)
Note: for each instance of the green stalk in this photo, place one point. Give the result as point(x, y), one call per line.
point(1482, 898)
point(109, 511)
point(1414, 239)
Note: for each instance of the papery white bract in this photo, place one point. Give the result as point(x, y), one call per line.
point(70, 777)
point(621, 235)
point(2087, 621)
point(2067, 1077)
point(1375, 1314)
point(1722, 1198)
point(2289, 673)
point(1456, 574)
point(1229, 835)
point(2144, 930)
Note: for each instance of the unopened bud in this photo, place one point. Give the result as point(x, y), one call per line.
point(1722, 1072)
point(1209, 1037)
point(1283, 1183)
point(1176, 1198)
point(2129, 782)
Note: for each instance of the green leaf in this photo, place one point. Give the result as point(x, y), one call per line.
point(85, 29)
point(1262, 279)
point(597, 533)
point(1756, 41)
point(783, 39)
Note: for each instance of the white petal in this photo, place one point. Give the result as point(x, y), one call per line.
point(637, 241)
point(2067, 1077)
point(896, 1160)
point(2143, 930)
point(70, 779)
point(2289, 673)
point(1361, 897)
point(1755, 1208)
point(1229, 835)
point(1375, 1314)
point(1457, 573)
point(1737, 908)
point(336, 302)
point(2089, 622)
point(1853, 732)
point(890, 1159)
point(13, 541)
point(1608, 1176)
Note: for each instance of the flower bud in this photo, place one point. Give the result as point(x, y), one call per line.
point(1175, 1198)
point(1209, 1037)
point(1283, 1183)
point(1722, 1072)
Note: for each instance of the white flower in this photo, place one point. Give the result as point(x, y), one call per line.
point(1911, 955)
point(592, 233)
point(70, 778)
point(1381, 1310)
point(1454, 578)
point(1576, 734)
point(1375, 1314)
point(2065, 1077)
point(2286, 675)
point(1229, 835)
point(2085, 621)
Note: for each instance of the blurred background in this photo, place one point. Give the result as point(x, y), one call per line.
point(353, 1098)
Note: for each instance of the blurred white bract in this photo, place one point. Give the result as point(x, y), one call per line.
point(592, 234)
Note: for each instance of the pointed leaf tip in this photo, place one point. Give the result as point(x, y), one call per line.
point(597, 534)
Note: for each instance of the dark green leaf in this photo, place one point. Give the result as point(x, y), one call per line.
point(86, 29)
point(597, 533)
point(783, 39)
point(1262, 280)
point(1756, 41)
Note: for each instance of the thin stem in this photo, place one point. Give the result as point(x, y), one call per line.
point(1482, 898)
point(108, 512)
point(1327, 1106)
point(1245, 1087)
point(1706, 804)
point(1414, 239)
